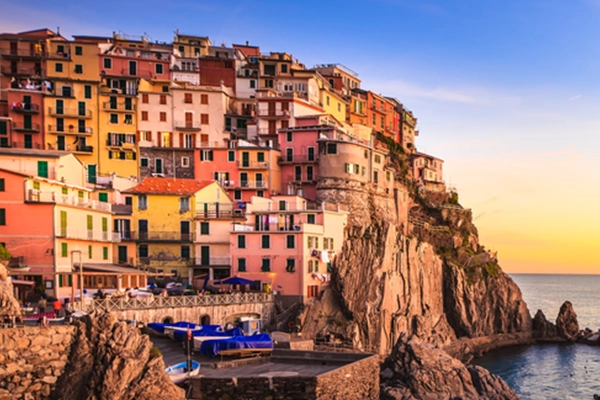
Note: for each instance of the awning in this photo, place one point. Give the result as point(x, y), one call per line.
point(20, 282)
point(112, 269)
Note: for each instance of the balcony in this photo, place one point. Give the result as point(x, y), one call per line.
point(86, 234)
point(122, 209)
point(70, 112)
point(250, 185)
point(298, 158)
point(188, 125)
point(83, 149)
point(267, 131)
point(214, 261)
point(36, 196)
point(253, 165)
point(217, 211)
point(262, 113)
point(118, 107)
point(21, 53)
point(23, 127)
point(25, 108)
point(301, 179)
point(268, 227)
point(26, 145)
point(23, 71)
point(57, 129)
point(162, 236)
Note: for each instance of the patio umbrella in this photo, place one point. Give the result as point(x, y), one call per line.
point(236, 280)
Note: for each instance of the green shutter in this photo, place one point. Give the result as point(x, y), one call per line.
point(87, 91)
point(260, 156)
point(105, 253)
point(90, 251)
point(64, 250)
point(91, 172)
point(90, 223)
point(2, 216)
point(103, 197)
point(70, 280)
point(3, 128)
point(104, 225)
point(63, 223)
point(42, 167)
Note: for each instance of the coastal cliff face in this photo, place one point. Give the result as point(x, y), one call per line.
point(411, 262)
point(112, 360)
point(8, 304)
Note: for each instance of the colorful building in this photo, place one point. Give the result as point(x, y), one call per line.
point(428, 171)
point(288, 245)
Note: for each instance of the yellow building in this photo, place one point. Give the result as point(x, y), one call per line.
point(332, 102)
point(164, 214)
point(71, 104)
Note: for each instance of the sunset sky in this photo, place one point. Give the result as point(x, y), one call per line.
point(506, 92)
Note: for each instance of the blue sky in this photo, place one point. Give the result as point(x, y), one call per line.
point(506, 92)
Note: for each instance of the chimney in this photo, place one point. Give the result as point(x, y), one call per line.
point(58, 30)
point(247, 43)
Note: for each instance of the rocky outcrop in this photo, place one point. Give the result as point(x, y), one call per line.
point(112, 360)
point(566, 322)
point(8, 304)
point(418, 370)
point(542, 328)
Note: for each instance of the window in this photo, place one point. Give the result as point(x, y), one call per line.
point(90, 251)
point(2, 184)
point(289, 136)
point(265, 242)
point(184, 204)
point(313, 266)
point(114, 118)
point(42, 169)
point(78, 50)
point(204, 119)
point(185, 252)
point(266, 265)
point(377, 159)
point(144, 115)
point(187, 98)
point(158, 68)
point(237, 194)
point(64, 250)
point(165, 89)
point(260, 193)
point(185, 162)
point(163, 99)
point(282, 205)
point(231, 155)
point(206, 155)
point(290, 242)
point(128, 119)
point(145, 98)
point(142, 202)
point(241, 241)
point(290, 265)
point(2, 216)
point(108, 63)
point(327, 99)
point(309, 173)
point(311, 218)
point(312, 291)
point(388, 176)
point(284, 68)
point(204, 228)
point(375, 177)
point(163, 116)
point(103, 197)
point(203, 99)
point(78, 69)
point(87, 91)
point(143, 162)
point(143, 251)
point(269, 83)
point(331, 148)
point(241, 264)
point(105, 253)
point(58, 67)
point(3, 128)
point(64, 190)
point(252, 84)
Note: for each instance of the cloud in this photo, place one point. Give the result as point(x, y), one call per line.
point(416, 5)
point(575, 97)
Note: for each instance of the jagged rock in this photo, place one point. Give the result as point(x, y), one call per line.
point(542, 328)
point(8, 303)
point(111, 360)
point(421, 371)
point(566, 322)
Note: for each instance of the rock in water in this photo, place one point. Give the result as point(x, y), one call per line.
point(8, 304)
point(566, 322)
point(111, 360)
point(542, 328)
point(421, 371)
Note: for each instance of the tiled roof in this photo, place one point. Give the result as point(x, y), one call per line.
point(180, 187)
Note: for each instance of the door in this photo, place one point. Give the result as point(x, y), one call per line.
point(189, 120)
point(42, 169)
point(244, 179)
point(13, 68)
point(13, 48)
point(259, 180)
point(289, 154)
point(128, 103)
point(271, 109)
point(184, 229)
point(311, 154)
point(158, 165)
point(205, 255)
point(122, 255)
point(143, 229)
point(245, 159)
point(28, 142)
point(81, 108)
point(60, 106)
point(60, 142)
point(113, 103)
point(91, 172)
point(27, 121)
point(132, 68)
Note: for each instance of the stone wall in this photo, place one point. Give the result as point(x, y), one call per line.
point(172, 162)
point(32, 359)
point(359, 380)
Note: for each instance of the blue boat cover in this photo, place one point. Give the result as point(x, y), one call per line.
point(180, 336)
point(211, 348)
point(160, 328)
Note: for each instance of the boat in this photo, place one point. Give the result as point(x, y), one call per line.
point(178, 372)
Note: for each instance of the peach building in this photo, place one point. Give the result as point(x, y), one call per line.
point(288, 245)
point(427, 171)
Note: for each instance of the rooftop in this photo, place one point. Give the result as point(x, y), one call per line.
point(33, 152)
point(180, 187)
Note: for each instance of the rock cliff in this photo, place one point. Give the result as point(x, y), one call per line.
point(8, 304)
point(113, 360)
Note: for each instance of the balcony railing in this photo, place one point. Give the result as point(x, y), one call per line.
point(84, 149)
point(188, 125)
point(8, 52)
point(217, 210)
point(301, 178)
point(86, 234)
point(122, 106)
point(70, 129)
point(25, 108)
point(267, 227)
point(70, 112)
point(216, 261)
point(266, 131)
point(122, 209)
point(52, 197)
point(251, 184)
point(273, 113)
point(23, 145)
point(298, 158)
point(162, 236)
point(253, 164)
point(30, 127)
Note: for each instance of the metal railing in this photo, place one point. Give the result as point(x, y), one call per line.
point(122, 209)
point(273, 113)
point(52, 197)
point(274, 227)
point(84, 149)
point(122, 106)
point(70, 112)
point(252, 184)
point(21, 126)
point(152, 302)
point(25, 108)
point(160, 236)
point(86, 234)
point(70, 129)
point(253, 164)
point(298, 158)
point(217, 261)
point(187, 124)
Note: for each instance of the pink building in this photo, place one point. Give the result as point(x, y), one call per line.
point(288, 245)
point(427, 170)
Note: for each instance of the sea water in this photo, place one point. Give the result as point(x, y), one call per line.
point(553, 371)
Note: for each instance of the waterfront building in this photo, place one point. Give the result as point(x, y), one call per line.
point(165, 212)
point(186, 51)
point(340, 77)
point(408, 128)
point(428, 171)
point(288, 244)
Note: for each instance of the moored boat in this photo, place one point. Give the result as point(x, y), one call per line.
point(179, 372)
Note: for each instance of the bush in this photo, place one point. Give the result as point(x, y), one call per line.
point(4, 254)
point(155, 352)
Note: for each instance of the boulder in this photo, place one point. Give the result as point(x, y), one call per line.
point(542, 328)
point(566, 322)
